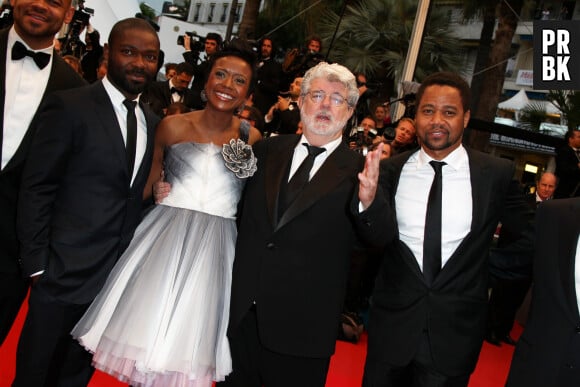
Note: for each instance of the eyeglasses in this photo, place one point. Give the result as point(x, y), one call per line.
point(317, 96)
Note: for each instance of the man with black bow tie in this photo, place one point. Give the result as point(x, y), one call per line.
point(159, 95)
point(29, 71)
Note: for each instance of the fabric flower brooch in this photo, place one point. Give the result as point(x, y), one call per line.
point(239, 158)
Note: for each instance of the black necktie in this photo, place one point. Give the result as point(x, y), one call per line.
point(19, 51)
point(432, 239)
point(300, 178)
point(131, 134)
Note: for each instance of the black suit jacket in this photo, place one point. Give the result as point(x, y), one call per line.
point(548, 352)
point(62, 76)
point(77, 208)
point(269, 78)
point(158, 97)
point(454, 309)
point(200, 73)
point(295, 268)
point(568, 173)
point(285, 121)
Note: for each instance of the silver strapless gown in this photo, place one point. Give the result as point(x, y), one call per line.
point(162, 316)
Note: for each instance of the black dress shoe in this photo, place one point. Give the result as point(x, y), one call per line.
point(491, 338)
point(508, 340)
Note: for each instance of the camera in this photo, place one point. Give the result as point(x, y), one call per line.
point(72, 43)
point(197, 42)
point(81, 18)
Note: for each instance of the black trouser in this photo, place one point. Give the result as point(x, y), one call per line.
point(256, 366)
point(419, 373)
point(47, 355)
point(13, 289)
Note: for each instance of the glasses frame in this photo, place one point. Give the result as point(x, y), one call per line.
point(336, 99)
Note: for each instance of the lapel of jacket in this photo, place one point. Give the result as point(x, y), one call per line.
point(167, 93)
point(392, 176)
point(336, 168)
point(480, 189)
point(106, 115)
point(151, 120)
point(567, 242)
point(279, 156)
point(3, 49)
point(480, 193)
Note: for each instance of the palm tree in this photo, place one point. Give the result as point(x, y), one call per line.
point(568, 101)
point(374, 36)
point(291, 20)
point(247, 28)
point(486, 10)
point(494, 76)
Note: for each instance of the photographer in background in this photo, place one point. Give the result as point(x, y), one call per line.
point(211, 44)
point(72, 42)
point(361, 138)
point(297, 62)
point(93, 52)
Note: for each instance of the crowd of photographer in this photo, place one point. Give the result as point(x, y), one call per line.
point(275, 96)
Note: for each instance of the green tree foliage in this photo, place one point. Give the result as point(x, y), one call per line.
point(568, 101)
point(292, 20)
point(374, 36)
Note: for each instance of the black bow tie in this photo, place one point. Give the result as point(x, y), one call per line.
point(19, 51)
point(174, 90)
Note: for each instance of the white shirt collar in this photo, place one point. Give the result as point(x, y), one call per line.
point(329, 147)
point(115, 94)
point(456, 159)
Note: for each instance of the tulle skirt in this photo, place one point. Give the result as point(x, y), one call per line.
point(161, 318)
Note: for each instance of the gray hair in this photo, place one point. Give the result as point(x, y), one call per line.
point(332, 73)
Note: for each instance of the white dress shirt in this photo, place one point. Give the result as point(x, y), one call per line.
point(117, 99)
point(25, 86)
point(175, 97)
point(300, 153)
point(412, 196)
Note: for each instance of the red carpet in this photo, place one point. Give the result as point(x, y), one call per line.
point(346, 367)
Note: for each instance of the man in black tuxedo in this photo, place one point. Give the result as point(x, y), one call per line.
point(159, 95)
point(548, 352)
point(428, 315)
point(292, 255)
point(269, 77)
point(81, 201)
point(568, 166)
point(18, 120)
